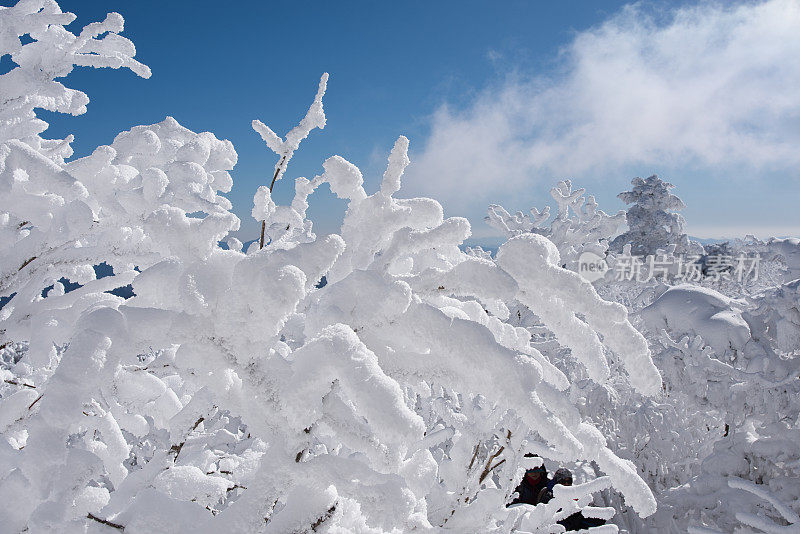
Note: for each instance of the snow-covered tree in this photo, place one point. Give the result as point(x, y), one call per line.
point(652, 221)
point(728, 359)
point(234, 393)
point(230, 393)
point(588, 230)
point(577, 227)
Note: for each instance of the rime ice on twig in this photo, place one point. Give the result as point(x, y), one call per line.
point(285, 148)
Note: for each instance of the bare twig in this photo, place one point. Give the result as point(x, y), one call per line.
point(327, 515)
point(177, 448)
point(26, 263)
point(496, 465)
point(487, 467)
point(277, 171)
point(474, 455)
point(106, 522)
point(271, 509)
point(271, 185)
point(15, 383)
point(37, 400)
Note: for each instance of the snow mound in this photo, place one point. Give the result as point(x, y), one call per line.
point(700, 311)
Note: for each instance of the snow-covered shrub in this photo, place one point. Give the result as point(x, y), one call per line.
point(577, 227)
point(233, 392)
point(787, 250)
point(230, 393)
point(652, 223)
point(759, 440)
point(687, 309)
point(725, 357)
point(58, 220)
point(53, 53)
point(775, 321)
point(729, 404)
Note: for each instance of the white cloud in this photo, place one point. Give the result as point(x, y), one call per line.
point(714, 86)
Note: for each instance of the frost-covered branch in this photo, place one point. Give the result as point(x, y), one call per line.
point(231, 392)
point(285, 148)
point(53, 52)
point(578, 226)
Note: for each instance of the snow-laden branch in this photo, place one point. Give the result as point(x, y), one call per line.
point(285, 148)
point(53, 52)
point(233, 391)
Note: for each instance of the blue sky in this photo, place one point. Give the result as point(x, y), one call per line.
point(500, 100)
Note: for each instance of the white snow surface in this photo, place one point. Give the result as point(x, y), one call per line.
point(699, 311)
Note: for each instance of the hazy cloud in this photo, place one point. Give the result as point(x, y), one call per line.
point(711, 85)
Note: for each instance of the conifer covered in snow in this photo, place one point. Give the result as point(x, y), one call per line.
point(652, 221)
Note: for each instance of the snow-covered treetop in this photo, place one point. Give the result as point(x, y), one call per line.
point(519, 223)
point(652, 193)
point(652, 223)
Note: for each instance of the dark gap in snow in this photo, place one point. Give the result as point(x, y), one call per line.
point(6, 300)
point(101, 270)
point(6, 64)
point(68, 286)
point(125, 292)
